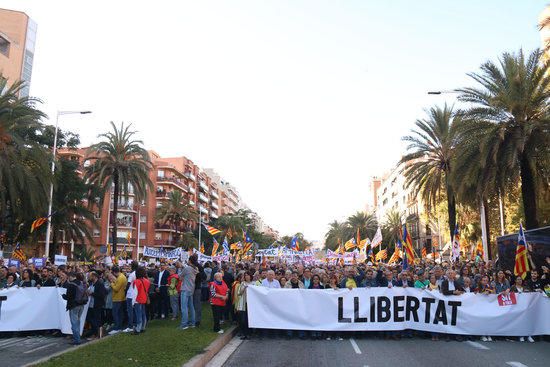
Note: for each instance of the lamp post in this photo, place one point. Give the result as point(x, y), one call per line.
point(49, 227)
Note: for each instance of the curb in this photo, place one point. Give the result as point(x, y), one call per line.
point(210, 351)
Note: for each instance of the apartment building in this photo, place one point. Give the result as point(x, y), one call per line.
point(391, 194)
point(203, 190)
point(17, 43)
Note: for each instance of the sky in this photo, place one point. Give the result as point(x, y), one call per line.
point(296, 103)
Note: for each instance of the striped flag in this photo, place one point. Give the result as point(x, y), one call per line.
point(202, 248)
point(479, 250)
point(18, 253)
point(37, 223)
point(236, 246)
point(211, 229)
point(424, 252)
point(521, 267)
point(396, 256)
point(215, 247)
point(225, 246)
point(350, 244)
point(407, 243)
point(382, 255)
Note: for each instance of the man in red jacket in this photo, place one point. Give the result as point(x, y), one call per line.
point(218, 298)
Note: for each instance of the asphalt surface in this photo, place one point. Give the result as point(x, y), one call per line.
point(22, 350)
point(378, 352)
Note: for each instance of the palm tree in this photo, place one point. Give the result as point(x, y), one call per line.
point(338, 231)
point(176, 211)
point(366, 223)
point(392, 227)
point(122, 163)
point(72, 217)
point(24, 172)
point(82, 253)
point(427, 166)
point(510, 117)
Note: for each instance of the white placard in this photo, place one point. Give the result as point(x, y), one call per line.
point(60, 260)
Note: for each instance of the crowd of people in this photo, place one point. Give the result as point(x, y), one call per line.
point(124, 298)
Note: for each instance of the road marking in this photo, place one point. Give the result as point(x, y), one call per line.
point(10, 342)
point(224, 354)
point(39, 348)
point(355, 346)
point(516, 364)
point(477, 345)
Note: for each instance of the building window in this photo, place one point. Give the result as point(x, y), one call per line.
point(160, 173)
point(96, 232)
point(4, 47)
point(97, 215)
point(158, 236)
point(143, 219)
point(141, 235)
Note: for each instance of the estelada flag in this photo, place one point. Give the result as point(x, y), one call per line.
point(215, 247)
point(350, 244)
point(521, 267)
point(211, 229)
point(37, 223)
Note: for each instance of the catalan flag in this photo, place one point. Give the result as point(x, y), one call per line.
point(246, 247)
point(202, 248)
point(424, 252)
point(215, 247)
point(211, 229)
point(479, 249)
point(407, 243)
point(397, 253)
point(371, 255)
point(18, 253)
point(236, 246)
point(521, 267)
point(381, 255)
point(37, 223)
point(350, 244)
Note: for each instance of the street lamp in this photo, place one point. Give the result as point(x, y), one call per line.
point(48, 229)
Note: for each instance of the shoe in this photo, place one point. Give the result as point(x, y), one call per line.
point(162, 316)
point(184, 328)
point(530, 339)
point(328, 338)
point(75, 343)
point(197, 324)
point(192, 326)
point(220, 332)
point(91, 338)
point(340, 338)
point(127, 330)
point(522, 339)
point(483, 339)
point(113, 332)
point(489, 339)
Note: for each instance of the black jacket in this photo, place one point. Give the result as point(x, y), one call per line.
point(163, 281)
point(70, 296)
point(99, 294)
point(445, 287)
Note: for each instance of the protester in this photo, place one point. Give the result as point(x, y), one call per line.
point(118, 283)
point(76, 297)
point(141, 288)
point(130, 295)
point(218, 298)
point(174, 289)
point(188, 275)
point(198, 295)
point(97, 292)
point(241, 306)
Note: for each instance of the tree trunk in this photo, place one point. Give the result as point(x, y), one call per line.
point(528, 194)
point(115, 212)
point(53, 249)
point(451, 208)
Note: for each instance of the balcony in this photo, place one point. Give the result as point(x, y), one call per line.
point(214, 194)
point(124, 207)
point(203, 198)
point(123, 223)
point(192, 190)
point(164, 227)
point(203, 210)
point(203, 186)
point(161, 194)
point(214, 205)
point(192, 203)
point(190, 176)
point(174, 181)
point(213, 215)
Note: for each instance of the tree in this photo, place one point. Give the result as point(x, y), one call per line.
point(391, 228)
point(510, 113)
point(24, 171)
point(366, 223)
point(71, 216)
point(121, 163)
point(82, 253)
point(337, 232)
point(176, 212)
point(427, 166)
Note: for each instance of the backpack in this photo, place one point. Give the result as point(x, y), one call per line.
point(81, 294)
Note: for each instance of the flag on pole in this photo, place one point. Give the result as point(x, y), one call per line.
point(479, 250)
point(358, 240)
point(225, 246)
point(521, 267)
point(407, 243)
point(371, 255)
point(456, 244)
point(395, 256)
point(211, 229)
point(202, 248)
point(382, 255)
point(18, 253)
point(377, 239)
point(424, 252)
point(37, 223)
point(215, 246)
point(350, 244)
point(236, 246)
point(294, 244)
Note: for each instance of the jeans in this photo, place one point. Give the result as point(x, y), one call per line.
point(197, 304)
point(131, 315)
point(187, 305)
point(141, 319)
point(95, 319)
point(164, 302)
point(175, 305)
point(118, 315)
point(243, 323)
point(74, 315)
point(217, 312)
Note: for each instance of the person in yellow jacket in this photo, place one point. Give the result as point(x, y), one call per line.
point(118, 285)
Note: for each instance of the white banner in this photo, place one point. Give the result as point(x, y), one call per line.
point(162, 253)
point(27, 309)
point(381, 309)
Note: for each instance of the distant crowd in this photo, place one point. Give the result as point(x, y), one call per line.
point(124, 299)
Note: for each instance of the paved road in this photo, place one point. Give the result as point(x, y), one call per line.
point(19, 351)
point(378, 352)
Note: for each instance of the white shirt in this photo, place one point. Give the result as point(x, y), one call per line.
point(131, 278)
point(273, 284)
point(160, 277)
point(451, 285)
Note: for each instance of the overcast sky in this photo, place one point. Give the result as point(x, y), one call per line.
point(297, 103)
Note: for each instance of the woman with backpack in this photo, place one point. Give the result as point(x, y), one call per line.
point(76, 298)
